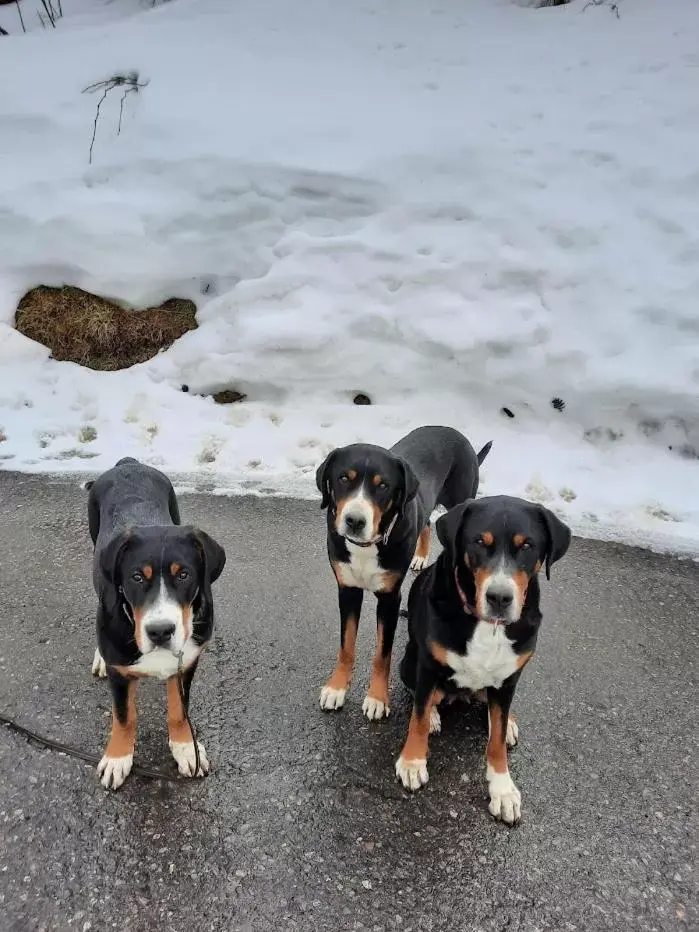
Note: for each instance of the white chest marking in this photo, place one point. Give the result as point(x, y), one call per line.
point(162, 663)
point(489, 661)
point(363, 570)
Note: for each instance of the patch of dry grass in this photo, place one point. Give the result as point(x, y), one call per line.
point(228, 397)
point(81, 327)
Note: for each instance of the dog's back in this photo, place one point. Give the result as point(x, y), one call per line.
point(445, 464)
point(127, 495)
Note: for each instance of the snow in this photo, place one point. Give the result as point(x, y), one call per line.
point(452, 207)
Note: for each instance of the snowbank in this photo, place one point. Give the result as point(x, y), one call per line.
point(452, 207)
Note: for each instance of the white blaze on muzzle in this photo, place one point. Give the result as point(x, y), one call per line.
point(355, 519)
point(500, 598)
point(164, 612)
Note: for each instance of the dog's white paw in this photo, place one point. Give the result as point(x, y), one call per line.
point(99, 667)
point(418, 564)
point(435, 721)
point(505, 798)
point(512, 734)
point(332, 698)
point(412, 773)
point(114, 770)
point(186, 759)
point(374, 709)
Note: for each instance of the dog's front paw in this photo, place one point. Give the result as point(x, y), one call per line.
point(435, 721)
point(512, 734)
point(374, 708)
point(417, 564)
point(505, 798)
point(114, 770)
point(412, 773)
point(186, 758)
point(331, 698)
point(99, 667)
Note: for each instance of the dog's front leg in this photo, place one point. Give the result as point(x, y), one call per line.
point(117, 761)
point(505, 798)
point(411, 766)
point(376, 704)
point(332, 695)
point(180, 736)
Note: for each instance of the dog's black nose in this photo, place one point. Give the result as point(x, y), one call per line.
point(355, 524)
point(499, 600)
point(160, 632)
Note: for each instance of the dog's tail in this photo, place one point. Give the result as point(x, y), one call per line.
point(484, 452)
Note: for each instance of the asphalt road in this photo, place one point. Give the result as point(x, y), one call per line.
point(301, 824)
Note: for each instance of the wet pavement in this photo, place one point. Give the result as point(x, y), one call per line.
point(301, 824)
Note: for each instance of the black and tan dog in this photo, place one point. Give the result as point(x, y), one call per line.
point(473, 621)
point(153, 580)
point(379, 505)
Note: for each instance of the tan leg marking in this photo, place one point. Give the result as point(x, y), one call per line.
point(505, 798)
point(376, 701)
point(422, 550)
point(497, 749)
point(117, 760)
point(180, 736)
point(411, 766)
point(341, 676)
point(177, 727)
point(123, 737)
point(439, 652)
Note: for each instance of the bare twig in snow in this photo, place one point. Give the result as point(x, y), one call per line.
point(48, 13)
point(24, 28)
point(131, 85)
point(613, 7)
point(97, 116)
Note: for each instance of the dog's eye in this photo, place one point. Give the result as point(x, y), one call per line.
point(344, 479)
point(527, 545)
point(183, 574)
point(480, 542)
point(383, 486)
point(137, 577)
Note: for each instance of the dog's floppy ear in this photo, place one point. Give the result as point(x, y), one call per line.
point(110, 557)
point(213, 556)
point(323, 479)
point(558, 535)
point(410, 485)
point(449, 526)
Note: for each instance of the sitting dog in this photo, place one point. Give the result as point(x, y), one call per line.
point(153, 581)
point(473, 620)
point(379, 505)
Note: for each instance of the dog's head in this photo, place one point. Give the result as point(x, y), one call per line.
point(159, 580)
point(502, 542)
point(365, 487)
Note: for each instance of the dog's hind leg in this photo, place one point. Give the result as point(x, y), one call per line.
point(422, 550)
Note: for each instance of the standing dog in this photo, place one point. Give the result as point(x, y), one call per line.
point(473, 621)
point(153, 581)
point(379, 505)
